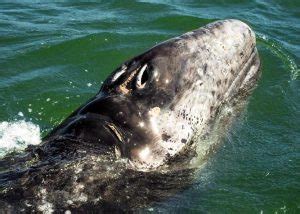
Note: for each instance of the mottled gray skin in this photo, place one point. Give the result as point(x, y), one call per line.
point(131, 144)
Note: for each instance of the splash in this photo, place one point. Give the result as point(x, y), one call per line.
point(17, 135)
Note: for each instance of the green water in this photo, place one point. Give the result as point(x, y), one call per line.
point(53, 57)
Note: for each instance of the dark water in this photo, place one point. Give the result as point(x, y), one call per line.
point(53, 57)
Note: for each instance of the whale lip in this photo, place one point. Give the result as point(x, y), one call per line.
point(92, 123)
point(252, 63)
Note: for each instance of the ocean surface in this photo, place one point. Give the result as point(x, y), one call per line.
point(54, 56)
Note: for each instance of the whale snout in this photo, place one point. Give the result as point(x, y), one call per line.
point(218, 60)
point(221, 45)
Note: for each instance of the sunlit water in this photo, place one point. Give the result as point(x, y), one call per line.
point(53, 57)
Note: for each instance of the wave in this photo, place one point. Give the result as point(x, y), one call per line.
point(276, 48)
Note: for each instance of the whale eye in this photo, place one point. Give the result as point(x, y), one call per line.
point(142, 77)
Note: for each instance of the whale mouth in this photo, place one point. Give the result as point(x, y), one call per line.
point(108, 125)
point(91, 128)
point(246, 74)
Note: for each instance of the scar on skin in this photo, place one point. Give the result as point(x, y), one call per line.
point(123, 88)
point(117, 152)
point(116, 132)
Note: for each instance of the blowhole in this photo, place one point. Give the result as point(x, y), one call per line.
point(145, 77)
point(142, 77)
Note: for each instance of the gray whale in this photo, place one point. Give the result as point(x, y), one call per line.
point(133, 142)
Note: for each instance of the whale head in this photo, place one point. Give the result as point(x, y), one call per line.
point(157, 103)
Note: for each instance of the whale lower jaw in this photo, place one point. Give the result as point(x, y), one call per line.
point(246, 79)
point(234, 100)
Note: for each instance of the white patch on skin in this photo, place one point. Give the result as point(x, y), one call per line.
point(154, 126)
point(118, 74)
point(154, 111)
point(172, 125)
point(144, 154)
point(117, 152)
point(141, 124)
point(70, 202)
point(82, 197)
point(78, 195)
point(78, 170)
point(154, 114)
point(45, 206)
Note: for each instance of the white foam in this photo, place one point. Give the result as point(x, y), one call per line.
point(17, 135)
